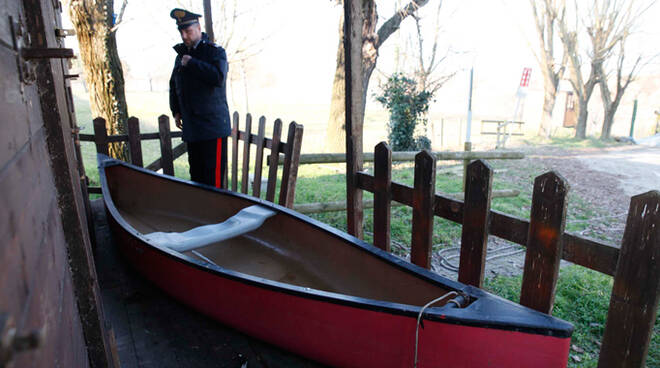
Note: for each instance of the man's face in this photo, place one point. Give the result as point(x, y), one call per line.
point(191, 35)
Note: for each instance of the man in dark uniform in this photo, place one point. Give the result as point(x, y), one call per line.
point(198, 100)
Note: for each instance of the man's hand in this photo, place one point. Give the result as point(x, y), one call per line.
point(177, 121)
point(185, 59)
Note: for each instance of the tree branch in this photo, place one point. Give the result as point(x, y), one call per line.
point(393, 24)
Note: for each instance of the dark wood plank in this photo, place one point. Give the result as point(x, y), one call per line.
point(234, 152)
point(134, 145)
point(423, 195)
point(382, 195)
point(245, 180)
point(259, 157)
point(100, 136)
point(274, 157)
point(166, 156)
point(474, 236)
point(544, 242)
point(590, 253)
point(636, 289)
point(354, 109)
point(290, 168)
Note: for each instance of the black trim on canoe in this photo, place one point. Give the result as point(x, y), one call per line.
point(487, 310)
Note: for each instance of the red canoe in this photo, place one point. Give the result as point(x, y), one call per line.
point(302, 285)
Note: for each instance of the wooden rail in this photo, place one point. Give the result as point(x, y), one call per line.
point(635, 269)
point(327, 158)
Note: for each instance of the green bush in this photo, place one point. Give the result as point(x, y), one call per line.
point(407, 108)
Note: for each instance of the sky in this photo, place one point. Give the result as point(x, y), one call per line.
point(294, 45)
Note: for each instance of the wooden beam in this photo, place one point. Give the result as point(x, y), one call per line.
point(636, 289)
point(382, 196)
point(422, 218)
point(328, 158)
point(208, 20)
point(166, 157)
point(474, 236)
point(544, 242)
point(353, 20)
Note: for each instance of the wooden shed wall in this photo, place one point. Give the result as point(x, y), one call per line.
point(42, 221)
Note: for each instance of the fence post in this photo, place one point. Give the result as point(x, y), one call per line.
point(423, 203)
point(476, 209)
point(290, 168)
point(166, 156)
point(245, 181)
point(273, 162)
point(466, 162)
point(100, 136)
point(259, 160)
point(134, 146)
point(382, 195)
point(235, 134)
point(544, 242)
point(635, 293)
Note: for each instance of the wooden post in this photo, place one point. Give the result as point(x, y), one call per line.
point(423, 203)
point(259, 160)
point(290, 168)
point(544, 242)
point(635, 293)
point(476, 209)
point(382, 195)
point(208, 20)
point(353, 20)
point(166, 157)
point(466, 162)
point(134, 145)
point(245, 181)
point(100, 136)
point(235, 133)
point(274, 159)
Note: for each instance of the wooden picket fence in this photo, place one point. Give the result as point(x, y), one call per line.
point(635, 266)
point(289, 148)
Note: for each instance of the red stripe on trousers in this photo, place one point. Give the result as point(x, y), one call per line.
point(218, 163)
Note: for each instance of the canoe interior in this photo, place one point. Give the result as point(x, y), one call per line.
point(284, 249)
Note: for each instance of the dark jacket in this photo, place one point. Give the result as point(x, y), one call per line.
point(198, 91)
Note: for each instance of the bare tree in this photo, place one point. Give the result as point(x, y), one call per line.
point(95, 29)
point(583, 88)
point(612, 25)
point(425, 73)
point(371, 42)
point(546, 13)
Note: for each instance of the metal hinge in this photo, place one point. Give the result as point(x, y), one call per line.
point(60, 32)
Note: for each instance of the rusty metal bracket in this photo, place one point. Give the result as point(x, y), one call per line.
point(60, 32)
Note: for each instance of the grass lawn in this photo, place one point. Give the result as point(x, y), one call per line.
point(582, 295)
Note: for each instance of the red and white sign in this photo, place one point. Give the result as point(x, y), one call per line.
point(526, 74)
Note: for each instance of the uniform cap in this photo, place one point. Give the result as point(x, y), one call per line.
point(184, 18)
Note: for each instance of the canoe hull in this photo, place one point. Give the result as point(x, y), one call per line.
point(334, 333)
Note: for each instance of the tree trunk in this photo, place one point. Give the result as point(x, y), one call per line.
point(549, 99)
point(583, 112)
point(93, 22)
point(608, 120)
point(335, 137)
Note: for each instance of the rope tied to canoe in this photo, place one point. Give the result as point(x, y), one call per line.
point(421, 312)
